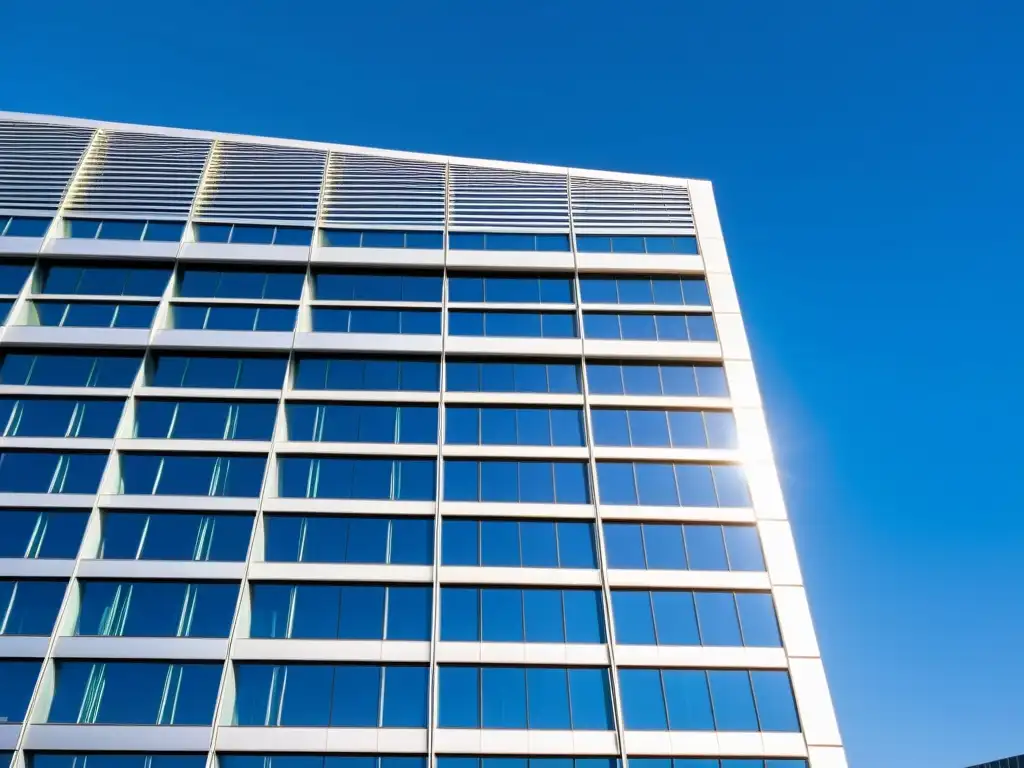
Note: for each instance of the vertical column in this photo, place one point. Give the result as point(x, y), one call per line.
point(820, 730)
point(606, 595)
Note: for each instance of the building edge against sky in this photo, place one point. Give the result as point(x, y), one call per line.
point(213, 177)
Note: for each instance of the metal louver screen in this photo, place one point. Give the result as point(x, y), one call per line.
point(139, 175)
point(36, 163)
point(253, 182)
point(493, 198)
point(364, 190)
point(609, 205)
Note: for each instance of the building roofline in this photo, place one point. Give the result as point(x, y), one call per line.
point(78, 122)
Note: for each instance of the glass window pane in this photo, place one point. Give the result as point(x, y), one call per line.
point(634, 620)
point(611, 427)
point(776, 709)
point(461, 480)
point(649, 428)
point(362, 613)
point(459, 697)
point(500, 543)
point(356, 697)
point(576, 545)
point(317, 609)
point(705, 548)
point(459, 542)
point(412, 541)
point(757, 617)
point(633, 290)
point(499, 482)
point(341, 238)
point(696, 486)
point(687, 429)
point(624, 545)
point(668, 291)
point(744, 548)
point(719, 622)
point(460, 614)
point(293, 236)
point(711, 381)
point(731, 484)
point(701, 328)
point(532, 426)
point(549, 698)
point(733, 700)
point(598, 325)
point(656, 484)
point(639, 327)
point(643, 702)
point(539, 543)
point(567, 427)
point(498, 426)
point(504, 697)
point(544, 620)
point(642, 380)
point(536, 483)
point(502, 611)
point(431, 240)
point(615, 482)
point(405, 697)
point(571, 483)
point(27, 226)
point(590, 698)
point(689, 706)
point(663, 545)
point(674, 618)
point(584, 616)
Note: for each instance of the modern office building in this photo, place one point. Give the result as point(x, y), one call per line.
point(1006, 762)
point(317, 456)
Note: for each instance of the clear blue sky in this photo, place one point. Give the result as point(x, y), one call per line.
point(867, 159)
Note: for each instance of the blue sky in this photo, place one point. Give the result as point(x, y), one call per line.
point(866, 158)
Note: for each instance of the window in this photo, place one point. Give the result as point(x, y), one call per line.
point(705, 700)
point(416, 322)
point(650, 428)
point(367, 373)
point(506, 241)
point(534, 325)
point(29, 607)
point(87, 280)
point(42, 533)
point(174, 536)
point(369, 286)
point(687, 485)
point(12, 276)
point(518, 543)
point(513, 426)
point(17, 679)
point(337, 423)
point(134, 693)
point(90, 314)
point(318, 761)
point(252, 234)
point(543, 482)
point(510, 290)
point(381, 238)
point(218, 372)
point(445, 761)
point(712, 762)
point(672, 291)
point(191, 475)
point(357, 478)
point(357, 539)
point(509, 376)
point(57, 417)
point(156, 609)
point(44, 472)
point(5, 310)
point(57, 370)
point(637, 327)
point(232, 317)
point(506, 615)
point(116, 229)
point(206, 283)
point(695, 546)
point(670, 617)
point(343, 612)
point(23, 226)
point(320, 695)
point(656, 379)
point(674, 244)
point(205, 419)
point(541, 698)
point(113, 760)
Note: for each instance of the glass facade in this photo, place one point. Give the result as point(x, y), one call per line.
point(336, 480)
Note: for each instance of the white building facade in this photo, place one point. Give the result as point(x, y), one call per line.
point(320, 454)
